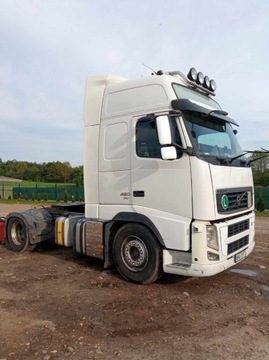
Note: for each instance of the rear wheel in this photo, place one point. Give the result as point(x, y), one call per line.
point(137, 254)
point(17, 235)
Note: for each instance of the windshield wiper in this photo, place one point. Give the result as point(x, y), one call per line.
point(264, 151)
point(237, 157)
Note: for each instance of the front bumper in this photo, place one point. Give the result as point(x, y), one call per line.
point(200, 270)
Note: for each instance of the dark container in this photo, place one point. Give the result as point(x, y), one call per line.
point(2, 230)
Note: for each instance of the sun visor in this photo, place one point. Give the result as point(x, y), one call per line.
point(193, 105)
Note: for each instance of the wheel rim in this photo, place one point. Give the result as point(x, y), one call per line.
point(134, 253)
point(17, 233)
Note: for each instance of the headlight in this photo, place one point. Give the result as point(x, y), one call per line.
point(212, 237)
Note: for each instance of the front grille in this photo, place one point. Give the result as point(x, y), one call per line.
point(238, 244)
point(230, 200)
point(238, 227)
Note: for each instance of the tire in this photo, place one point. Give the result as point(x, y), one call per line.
point(137, 254)
point(17, 235)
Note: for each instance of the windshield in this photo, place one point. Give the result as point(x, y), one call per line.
point(213, 139)
point(182, 92)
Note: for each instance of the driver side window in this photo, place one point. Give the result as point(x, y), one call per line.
point(147, 142)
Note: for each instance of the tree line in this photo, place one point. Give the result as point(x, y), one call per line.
point(260, 168)
point(63, 172)
point(60, 172)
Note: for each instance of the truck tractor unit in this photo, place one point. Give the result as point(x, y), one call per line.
point(168, 188)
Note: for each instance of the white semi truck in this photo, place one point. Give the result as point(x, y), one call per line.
point(167, 185)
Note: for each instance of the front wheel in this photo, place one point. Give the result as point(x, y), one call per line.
point(17, 235)
point(137, 254)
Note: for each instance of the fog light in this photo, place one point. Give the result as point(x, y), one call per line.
point(212, 256)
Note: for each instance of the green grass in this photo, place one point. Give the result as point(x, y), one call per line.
point(26, 202)
point(34, 184)
point(262, 213)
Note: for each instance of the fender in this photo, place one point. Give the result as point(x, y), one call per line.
point(111, 227)
point(141, 219)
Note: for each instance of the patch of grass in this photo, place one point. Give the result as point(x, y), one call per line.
point(34, 184)
point(262, 213)
point(26, 202)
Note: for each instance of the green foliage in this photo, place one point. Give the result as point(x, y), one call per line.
point(60, 172)
point(65, 196)
point(57, 172)
point(260, 168)
point(78, 176)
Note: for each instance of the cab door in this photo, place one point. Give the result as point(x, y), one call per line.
point(161, 189)
point(114, 165)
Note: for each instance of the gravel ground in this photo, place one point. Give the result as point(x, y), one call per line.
point(54, 305)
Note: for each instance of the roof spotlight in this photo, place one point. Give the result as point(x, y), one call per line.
point(192, 75)
point(206, 83)
point(200, 78)
point(212, 86)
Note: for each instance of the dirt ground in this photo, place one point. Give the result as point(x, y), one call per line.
point(54, 305)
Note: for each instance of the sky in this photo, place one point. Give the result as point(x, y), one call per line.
point(47, 48)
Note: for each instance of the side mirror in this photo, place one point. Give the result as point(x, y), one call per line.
point(164, 131)
point(168, 153)
point(165, 138)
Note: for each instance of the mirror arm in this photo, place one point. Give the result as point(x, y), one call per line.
point(189, 150)
point(178, 146)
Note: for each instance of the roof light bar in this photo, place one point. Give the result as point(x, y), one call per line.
point(201, 80)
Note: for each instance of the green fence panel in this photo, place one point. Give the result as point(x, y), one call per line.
point(49, 193)
point(265, 197)
point(59, 193)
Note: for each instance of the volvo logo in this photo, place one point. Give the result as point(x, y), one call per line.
point(239, 198)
